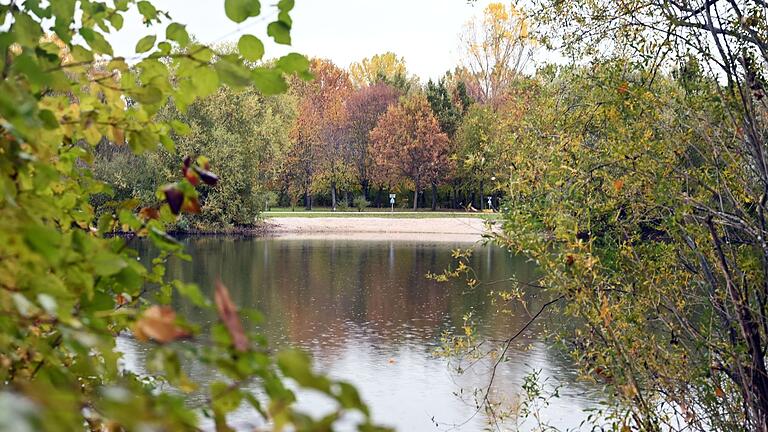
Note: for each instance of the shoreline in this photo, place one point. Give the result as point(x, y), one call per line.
point(465, 229)
point(370, 228)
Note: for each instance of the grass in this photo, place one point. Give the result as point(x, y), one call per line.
point(375, 212)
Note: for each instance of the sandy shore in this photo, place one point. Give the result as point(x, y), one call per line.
point(438, 229)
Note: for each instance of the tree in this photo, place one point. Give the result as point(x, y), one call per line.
point(68, 287)
point(322, 155)
point(364, 107)
point(718, 230)
point(384, 68)
point(447, 111)
point(497, 47)
point(641, 194)
point(407, 144)
point(478, 150)
point(449, 101)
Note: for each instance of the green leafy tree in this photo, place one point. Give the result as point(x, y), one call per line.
point(242, 133)
point(67, 288)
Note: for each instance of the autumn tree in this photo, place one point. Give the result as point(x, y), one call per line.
point(321, 155)
point(407, 144)
point(364, 107)
point(385, 68)
point(497, 47)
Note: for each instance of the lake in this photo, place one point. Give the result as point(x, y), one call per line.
point(368, 315)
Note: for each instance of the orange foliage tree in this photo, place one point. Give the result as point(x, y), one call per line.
point(364, 108)
point(408, 145)
point(321, 155)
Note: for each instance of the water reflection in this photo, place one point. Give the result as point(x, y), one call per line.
point(368, 315)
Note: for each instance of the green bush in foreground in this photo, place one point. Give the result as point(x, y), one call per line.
point(67, 290)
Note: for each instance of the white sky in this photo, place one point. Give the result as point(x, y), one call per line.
point(424, 32)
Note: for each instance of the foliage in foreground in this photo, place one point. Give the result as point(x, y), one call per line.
point(67, 290)
point(638, 184)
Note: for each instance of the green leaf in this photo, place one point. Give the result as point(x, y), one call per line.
point(163, 241)
point(43, 240)
point(80, 54)
point(192, 293)
point(96, 41)
point(232, 74)
point(250, 47)
point(27, 30)
point(108, 263)
point(349, 397)
point(180, 127)
point(297, 365)
point(293, 62)
point(177, 32)
point(269, 81)
point(116, 20)
point(225, 398)
point(64, 12)
point(147, 10)
point(48, 119)
point(206, 81)
point(164, 48)
point(285, 5)
point(240, 10)
point(280, 32)
point(145, 44)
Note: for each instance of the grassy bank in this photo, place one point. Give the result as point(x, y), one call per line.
point(401, 214)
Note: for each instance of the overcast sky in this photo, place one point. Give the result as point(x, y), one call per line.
point(425, 32)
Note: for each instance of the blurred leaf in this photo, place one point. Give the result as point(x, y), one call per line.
point(240, 10)
point(145, 44)
point(177, 32)
point(250, 47)
point(280, 32)
point(158, 323)
point(228, 315)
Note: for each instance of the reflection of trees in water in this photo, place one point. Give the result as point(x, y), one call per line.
point(306, 289)
point(353, 301)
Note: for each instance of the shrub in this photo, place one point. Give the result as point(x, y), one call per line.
point(361, 203)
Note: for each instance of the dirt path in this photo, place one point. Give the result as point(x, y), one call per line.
point(438, 229)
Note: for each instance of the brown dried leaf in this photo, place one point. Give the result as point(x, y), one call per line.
point(159, 324)
point(147, 213)
point(228, 316)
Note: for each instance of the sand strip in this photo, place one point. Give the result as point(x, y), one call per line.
point(438, 229)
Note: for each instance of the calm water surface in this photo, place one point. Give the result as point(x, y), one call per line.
point(367, 314)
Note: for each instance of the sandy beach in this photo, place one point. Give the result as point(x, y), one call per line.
point(438, 229)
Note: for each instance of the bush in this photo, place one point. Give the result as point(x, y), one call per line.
point(361, 203)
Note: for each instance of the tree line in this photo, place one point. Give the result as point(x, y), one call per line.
point(347, 137)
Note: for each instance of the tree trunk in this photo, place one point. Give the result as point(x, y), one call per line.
point(378, 198)
point(482, 198)
point(307, 200)
point(333, 195)
point(416, 197)
point(366, 186)
point(434, 196)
